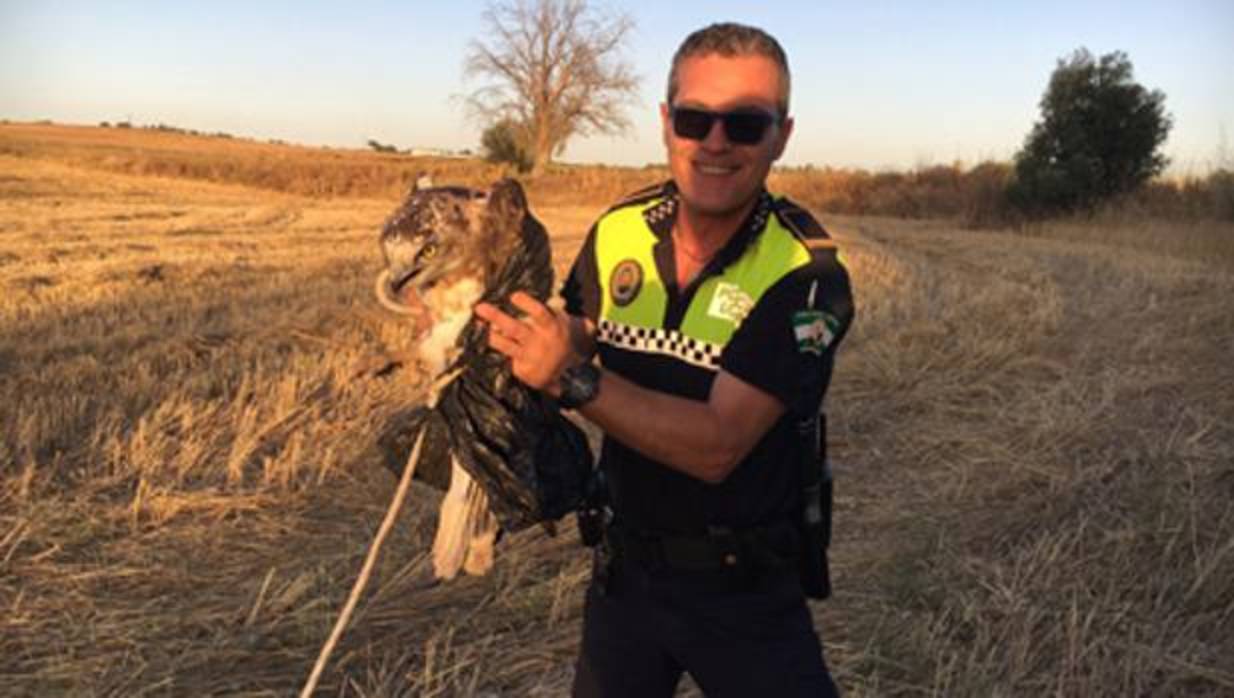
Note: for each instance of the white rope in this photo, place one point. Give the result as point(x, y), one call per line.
point(375, 547)
point(365, 571)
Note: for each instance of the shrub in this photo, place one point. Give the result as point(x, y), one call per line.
point(1099, 136)
point(381, 147)
point(502, 142)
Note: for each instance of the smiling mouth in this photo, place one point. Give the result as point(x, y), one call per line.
point(716, 170)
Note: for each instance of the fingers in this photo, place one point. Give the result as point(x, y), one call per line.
point(525, 302)
point(505, 333)
point(503, 344)
point(487, 311)
point(538, 345)
point(500, 322)
point(537, 311)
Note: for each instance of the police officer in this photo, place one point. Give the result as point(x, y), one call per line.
point(715, 309)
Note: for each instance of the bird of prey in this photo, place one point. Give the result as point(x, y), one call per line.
point(502, 452)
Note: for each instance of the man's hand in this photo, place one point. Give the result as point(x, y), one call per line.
point(539, 345)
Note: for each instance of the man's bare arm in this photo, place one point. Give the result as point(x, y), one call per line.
point(706, 440)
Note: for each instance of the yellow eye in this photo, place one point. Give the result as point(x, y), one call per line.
point(428, 251)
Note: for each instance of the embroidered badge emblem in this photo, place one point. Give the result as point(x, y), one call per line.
point(625, 282)
point(730, 303)
point(814, 330)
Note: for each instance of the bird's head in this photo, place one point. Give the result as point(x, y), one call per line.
point(444, 237)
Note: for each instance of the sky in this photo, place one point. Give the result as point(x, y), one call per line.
point(877, 85)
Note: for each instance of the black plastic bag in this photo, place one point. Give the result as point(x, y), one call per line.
point(531, 461)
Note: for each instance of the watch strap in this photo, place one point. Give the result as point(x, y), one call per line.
point(579, 385)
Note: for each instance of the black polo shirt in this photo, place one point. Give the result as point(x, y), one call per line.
point(764, 352)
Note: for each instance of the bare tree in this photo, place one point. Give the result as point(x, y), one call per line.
point(554, 68)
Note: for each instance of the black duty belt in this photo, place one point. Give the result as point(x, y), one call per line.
point(719, 548)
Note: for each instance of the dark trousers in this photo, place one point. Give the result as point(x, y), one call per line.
point(736, 637)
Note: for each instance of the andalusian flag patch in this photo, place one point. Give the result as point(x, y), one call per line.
point(815, 330)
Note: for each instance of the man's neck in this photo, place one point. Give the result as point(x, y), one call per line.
point(710, 232)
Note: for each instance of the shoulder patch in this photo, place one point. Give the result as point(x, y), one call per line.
point(806, 229)
point(815, 331)
point(820, 243)
point(801, 223)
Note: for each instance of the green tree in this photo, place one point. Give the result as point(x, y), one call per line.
point(554, 67)
point(503, 142)
point(1100, 135)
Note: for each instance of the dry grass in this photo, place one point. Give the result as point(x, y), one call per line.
point(1035, 438)
point(1038, 463)
point(316, 172)
point(1209, 241)
point(974, 196)
point(186, 454)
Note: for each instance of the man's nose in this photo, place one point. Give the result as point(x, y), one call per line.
point(717, 137)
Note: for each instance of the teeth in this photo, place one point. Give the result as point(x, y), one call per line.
point(714, 169)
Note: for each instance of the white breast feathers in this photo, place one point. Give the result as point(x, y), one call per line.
point(451, 307)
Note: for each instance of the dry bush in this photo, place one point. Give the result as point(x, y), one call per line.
point(974, 196)
point(1188, 198)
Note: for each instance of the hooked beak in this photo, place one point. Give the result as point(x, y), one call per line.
point(405, 305)
point(387, 296)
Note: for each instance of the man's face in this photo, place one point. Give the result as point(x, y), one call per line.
point(717, 177)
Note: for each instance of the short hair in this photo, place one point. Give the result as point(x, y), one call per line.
point(731, 39)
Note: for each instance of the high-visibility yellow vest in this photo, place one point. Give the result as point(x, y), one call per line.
point(624, 245)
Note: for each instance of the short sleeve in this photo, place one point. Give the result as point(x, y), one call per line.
point(581, 290)
point(786, 345)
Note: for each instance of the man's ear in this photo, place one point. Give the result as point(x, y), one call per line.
point(783, 132)
point(666, 124)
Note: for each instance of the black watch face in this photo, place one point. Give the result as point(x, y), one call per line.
point(579, 384)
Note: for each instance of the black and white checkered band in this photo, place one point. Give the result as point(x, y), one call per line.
point(659, 216)
point(656, 340)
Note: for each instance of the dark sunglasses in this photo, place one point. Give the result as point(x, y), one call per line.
point(743, 127)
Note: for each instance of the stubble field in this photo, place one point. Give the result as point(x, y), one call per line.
point(1034, 436)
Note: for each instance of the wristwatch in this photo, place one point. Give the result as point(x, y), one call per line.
point(579, 385)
